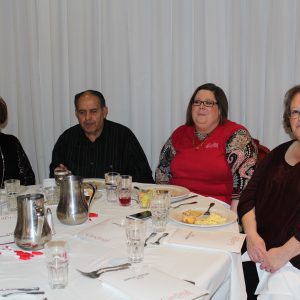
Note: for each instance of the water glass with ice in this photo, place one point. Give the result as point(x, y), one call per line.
point(111, 186)
point(135, 234)
point(57, 259)
point(159, 206)
point(12, 189)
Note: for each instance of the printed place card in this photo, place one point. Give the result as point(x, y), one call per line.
point(222, 240)
point(7, 228)
point(108, 232)
point(136, 282)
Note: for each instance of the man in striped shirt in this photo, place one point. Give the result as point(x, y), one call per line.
point(97, 145)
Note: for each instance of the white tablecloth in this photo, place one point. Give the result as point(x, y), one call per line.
point(219, 272)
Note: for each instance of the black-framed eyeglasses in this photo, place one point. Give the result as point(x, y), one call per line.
point(206, 103)
point(294, 114)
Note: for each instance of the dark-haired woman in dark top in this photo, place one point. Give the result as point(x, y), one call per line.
point(14, 163)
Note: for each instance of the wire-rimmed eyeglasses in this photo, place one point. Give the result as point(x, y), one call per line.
point(206, 103)
point(294, 114)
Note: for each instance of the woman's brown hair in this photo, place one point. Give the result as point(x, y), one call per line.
point(3, 111)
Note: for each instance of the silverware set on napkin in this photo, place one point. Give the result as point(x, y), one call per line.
point(157, 242)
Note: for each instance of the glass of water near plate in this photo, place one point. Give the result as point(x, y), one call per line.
point(159, 206)
point(135, 238)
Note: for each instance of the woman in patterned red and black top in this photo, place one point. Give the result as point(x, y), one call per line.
point(209, 155)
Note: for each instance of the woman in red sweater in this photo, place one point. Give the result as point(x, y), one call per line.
point(209, 155)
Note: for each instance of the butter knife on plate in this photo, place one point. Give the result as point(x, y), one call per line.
point(185, 198)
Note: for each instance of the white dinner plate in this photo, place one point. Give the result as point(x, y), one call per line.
point(177, 192)
point(98, 182)
point(175, 215)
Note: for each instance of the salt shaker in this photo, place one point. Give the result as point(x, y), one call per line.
point(49, 218)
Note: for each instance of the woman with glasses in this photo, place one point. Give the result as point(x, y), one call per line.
point(14, 163)
point(209, 155)
point(269, 209)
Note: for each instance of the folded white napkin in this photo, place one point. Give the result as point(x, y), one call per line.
point(222, 240)
point(135, 283)
point(105, 233)
point(284, 284)
point(7, 227)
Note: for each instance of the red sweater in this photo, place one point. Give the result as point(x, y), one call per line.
point(202, 166)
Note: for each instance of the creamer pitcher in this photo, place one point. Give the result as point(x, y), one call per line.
point(32, 229)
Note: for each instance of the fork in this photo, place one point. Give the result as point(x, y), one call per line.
point(207, 213)
point(98, 273)
point(157, 242)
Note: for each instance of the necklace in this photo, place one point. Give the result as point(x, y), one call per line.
point(3, 166)
point(200, 137)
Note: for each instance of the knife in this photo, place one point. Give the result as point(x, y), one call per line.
point(182, 199)
point(21, 289)
point(24, 292)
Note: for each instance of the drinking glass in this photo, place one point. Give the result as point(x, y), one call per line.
point(3, 204)
point(111, 186)
point(159, 206)
point(145, 197)
point(125, 187)
point(57, 259)
point(135, 234)
point(12, 189)
point(51, 191)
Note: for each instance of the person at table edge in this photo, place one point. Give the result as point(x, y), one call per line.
point(14, 162)
point(97, 145)
point(269, 207)
point(210, 155)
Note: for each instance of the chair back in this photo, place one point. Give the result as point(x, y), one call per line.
point(262, 150)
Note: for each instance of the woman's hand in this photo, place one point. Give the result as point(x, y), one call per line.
point(274, 259)
point(256, 247)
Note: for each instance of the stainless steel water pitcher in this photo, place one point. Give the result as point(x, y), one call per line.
point(72, 208)
point(32, 229)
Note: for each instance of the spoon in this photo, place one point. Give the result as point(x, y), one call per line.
point(153, 234)
point(157, 242)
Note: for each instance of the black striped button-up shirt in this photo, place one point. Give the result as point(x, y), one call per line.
point(116, 149)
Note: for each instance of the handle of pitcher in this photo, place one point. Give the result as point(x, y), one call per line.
point(93, 194)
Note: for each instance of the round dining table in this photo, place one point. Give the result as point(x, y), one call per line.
point(101, 241)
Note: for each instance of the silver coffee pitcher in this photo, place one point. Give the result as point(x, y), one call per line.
point(32, 230)
point(73, 208)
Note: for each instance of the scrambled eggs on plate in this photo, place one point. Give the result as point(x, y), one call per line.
point(196, 217)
